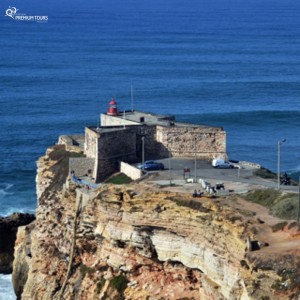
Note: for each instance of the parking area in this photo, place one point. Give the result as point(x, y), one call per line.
point(237, 179)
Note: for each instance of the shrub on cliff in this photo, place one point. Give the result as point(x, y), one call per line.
point(263, 197)
point(119, 283)
point(265, 173)
point(119, 178)
point(282, 205)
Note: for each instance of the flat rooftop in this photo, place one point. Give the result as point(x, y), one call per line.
point(104, 129)
point(140, 117)
point(148, 118)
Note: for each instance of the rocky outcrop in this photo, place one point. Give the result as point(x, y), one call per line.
point(132, 242)
point(22, 258)
point(8, 231)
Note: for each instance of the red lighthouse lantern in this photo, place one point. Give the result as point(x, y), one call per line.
point(113, 110)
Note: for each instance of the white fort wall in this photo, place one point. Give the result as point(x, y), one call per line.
point(131, 171)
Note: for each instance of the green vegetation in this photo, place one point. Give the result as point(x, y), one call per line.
point(282, 205)
point(84, 269)
point(265, 173)
point(100, 285)
point(188, 203)
point(119, 178)
point(263, 197)
point(289, 280)
point(119, 283)
point(196, 205)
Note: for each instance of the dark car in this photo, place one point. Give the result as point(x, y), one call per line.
point(151, 165)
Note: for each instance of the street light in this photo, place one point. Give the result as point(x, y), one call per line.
point(278, 163)
point(298, 219)
point(195, 161)
point(170, 167)
point(143, 151)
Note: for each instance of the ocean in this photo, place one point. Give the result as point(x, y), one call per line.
point(230, 63)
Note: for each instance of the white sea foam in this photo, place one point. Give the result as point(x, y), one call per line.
point(6, 288)
point(4, 189)
point(3, 192)
point(8, 186)
point(9, 211)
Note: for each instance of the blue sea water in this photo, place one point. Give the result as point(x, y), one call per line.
point(234, 64)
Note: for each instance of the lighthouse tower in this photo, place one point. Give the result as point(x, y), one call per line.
point(112, 110)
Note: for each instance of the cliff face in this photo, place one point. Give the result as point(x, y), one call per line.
point(141, 244)
point(8, 231)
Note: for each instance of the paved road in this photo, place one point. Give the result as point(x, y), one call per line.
point(207, 172)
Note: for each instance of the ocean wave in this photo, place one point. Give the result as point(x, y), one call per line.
point(3, 192)
point(246, 116)
point(13, 209)
point(295, 173)
point(4, 187)
point(6, 288)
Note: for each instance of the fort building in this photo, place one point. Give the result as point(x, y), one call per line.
point(127, 135)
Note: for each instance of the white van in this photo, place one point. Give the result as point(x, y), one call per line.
point(220, 163)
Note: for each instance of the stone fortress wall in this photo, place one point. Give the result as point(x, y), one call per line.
point(124, 137)
point(166, 135)
point(206, 143)
point(108, 146)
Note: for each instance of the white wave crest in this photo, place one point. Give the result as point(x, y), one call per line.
point(3, 192)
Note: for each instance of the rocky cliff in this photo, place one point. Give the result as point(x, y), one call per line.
point(136, 242)
point(8, 232)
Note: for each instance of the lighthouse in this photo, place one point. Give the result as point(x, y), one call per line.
point(112, 110)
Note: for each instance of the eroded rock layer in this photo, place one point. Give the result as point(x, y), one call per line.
point(8, 232)
point(132, 242)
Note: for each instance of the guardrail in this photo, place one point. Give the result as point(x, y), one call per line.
point(249, 164)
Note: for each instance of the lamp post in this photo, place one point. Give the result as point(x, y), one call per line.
point(278, 163)
point(170, 167)
point(195, 161)
point(298, 219)
point(143, 151)
point(124, 118)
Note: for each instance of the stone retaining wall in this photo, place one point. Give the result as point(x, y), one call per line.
point(205, 142)
point(131, 171)
point(90, 145)
point(72, 141)
point(81, 165)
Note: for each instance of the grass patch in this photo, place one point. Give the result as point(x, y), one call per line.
point(263, 197)
point(265, 173)
point(119, 283)
point(195, 205)
point(281, 205)
point(119, 178)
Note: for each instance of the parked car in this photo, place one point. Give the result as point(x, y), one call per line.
point(151, 165)
point(221, 164)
